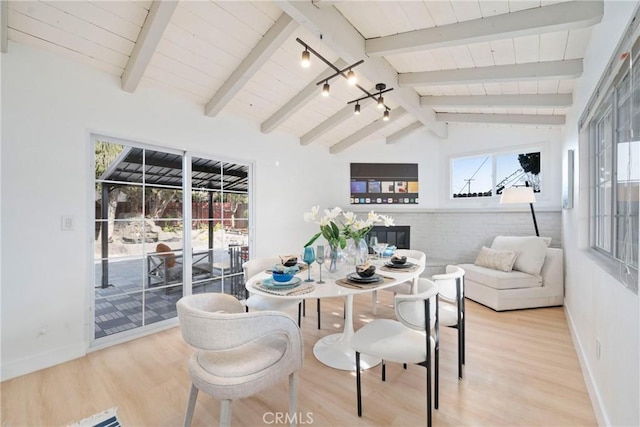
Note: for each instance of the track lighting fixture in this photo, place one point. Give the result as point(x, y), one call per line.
point(306, 61)
point(350, 75)
point(325, 89)
point(380, 88)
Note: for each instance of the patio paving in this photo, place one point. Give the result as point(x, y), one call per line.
point(129, 303)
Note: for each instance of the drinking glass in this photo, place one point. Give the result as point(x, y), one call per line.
point(308, 257)
point(320, 260)
point(380, 248)
point(373, 241)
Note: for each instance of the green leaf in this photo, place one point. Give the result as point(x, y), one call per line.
point(313, 239)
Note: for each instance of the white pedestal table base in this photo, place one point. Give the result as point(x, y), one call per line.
point(335, 350)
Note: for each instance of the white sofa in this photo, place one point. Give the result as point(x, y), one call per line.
point(536, 280)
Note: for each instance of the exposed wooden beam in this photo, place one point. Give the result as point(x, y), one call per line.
point(260, 54)
point(150, 35)
point(397, 136)
point(354, 138)
point(523, 119)
point(547, 19)
point(301, 98)
point(327, 125)
point(324, 127)
point(340, 36)
point(549, 101)
point(500, 73)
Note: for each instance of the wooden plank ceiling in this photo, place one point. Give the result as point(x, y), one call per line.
point(504, 62)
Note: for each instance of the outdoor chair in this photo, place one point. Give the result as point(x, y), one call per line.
point(164, 267)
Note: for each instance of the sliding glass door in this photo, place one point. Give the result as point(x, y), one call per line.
point(145, 258)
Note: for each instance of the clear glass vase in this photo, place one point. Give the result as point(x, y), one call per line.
point(361, 252)
point(336, 258)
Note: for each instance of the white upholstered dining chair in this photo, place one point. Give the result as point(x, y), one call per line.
point(451, 311)
point(261, 302)
point(404, 288)
point(237, 354)
point(410, 339)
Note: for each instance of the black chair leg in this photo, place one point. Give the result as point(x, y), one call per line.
point(384, 371)
point(358, 391)
point(464, 329)
point(318, 309)
point(429, 411)
point(404, 365)
point(300, 314)
point(460, 352)
point(437, 375)
point(464, 338)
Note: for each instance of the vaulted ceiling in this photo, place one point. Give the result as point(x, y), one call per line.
point(507, 62)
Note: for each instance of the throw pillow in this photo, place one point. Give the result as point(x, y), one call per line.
point(497, 260)
point(531, 249)
point(170, 257)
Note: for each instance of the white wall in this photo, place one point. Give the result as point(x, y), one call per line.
point(598, 305)
point(50, 105)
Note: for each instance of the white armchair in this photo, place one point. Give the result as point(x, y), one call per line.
point(237, 354)
point(536, 278)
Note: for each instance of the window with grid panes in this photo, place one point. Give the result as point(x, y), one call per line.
point(614, 133)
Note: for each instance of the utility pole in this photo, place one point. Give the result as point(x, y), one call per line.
point(469, 184)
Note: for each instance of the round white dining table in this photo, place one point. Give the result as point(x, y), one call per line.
point(335, 350)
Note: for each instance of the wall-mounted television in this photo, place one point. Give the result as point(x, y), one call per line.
point(384, 183)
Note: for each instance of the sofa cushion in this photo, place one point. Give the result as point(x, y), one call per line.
point(169, 256)
point(498, 260)
point(500, 279)
point(531, 251)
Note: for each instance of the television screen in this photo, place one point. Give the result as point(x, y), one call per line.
point(358, 187)
point(384, 183)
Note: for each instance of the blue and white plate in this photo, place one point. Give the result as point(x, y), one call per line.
point(270, 283)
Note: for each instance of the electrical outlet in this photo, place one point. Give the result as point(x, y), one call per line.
point(598, 348)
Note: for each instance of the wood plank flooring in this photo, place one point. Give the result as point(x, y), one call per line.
point(521, 370)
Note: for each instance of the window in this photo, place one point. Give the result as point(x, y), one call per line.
point(487, 175)
point(146, 256)
point(614, 141)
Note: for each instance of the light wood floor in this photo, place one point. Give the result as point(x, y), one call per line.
point(521, 370)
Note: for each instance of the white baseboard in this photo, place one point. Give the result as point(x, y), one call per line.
point(592, 387)
point(40, 361)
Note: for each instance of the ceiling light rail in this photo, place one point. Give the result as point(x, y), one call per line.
point(347, 73)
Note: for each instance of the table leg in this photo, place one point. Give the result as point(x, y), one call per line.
point(335, 350)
